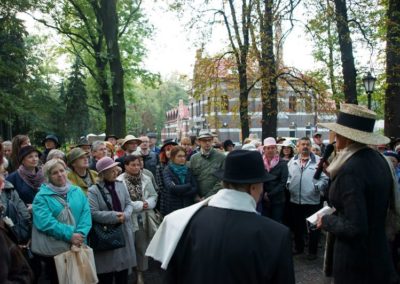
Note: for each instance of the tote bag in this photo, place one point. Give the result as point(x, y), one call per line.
point(76, 266)
point(46, 245)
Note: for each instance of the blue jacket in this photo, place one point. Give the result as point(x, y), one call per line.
point(25, 192)
point(46, 208)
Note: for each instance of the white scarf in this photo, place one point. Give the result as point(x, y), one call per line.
point(342, 157)
point(164, 242)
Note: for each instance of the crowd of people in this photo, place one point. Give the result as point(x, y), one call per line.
point(227, 190)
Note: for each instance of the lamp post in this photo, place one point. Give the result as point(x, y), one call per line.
point(369, 85)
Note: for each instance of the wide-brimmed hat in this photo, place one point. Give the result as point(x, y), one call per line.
point(74, 155)
point(83, 142)
point(356, 123)
point(168, 141)
point(287, 143)
point(130, 138)
point(52, 138)
point(25, 151)
point(244, 167)
point(105, 164)
point(205, 133)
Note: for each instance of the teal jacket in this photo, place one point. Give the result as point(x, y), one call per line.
point(46, 208)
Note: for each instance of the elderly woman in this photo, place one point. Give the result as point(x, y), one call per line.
point(53, 197)
point(18, 143)
point(80, 174)
point(144, 199)
point(56, 154)
point(179, 185)
point(113, 264)
point(29, 177)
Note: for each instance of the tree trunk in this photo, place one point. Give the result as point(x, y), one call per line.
point(244, 101)
point(392, 94)
point(269, 90)
point(104, 93)
point(110, 30)
point(346, 52)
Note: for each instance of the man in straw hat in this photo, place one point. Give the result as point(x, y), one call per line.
point(360, 190)
point(222, 239)
point(129, 145)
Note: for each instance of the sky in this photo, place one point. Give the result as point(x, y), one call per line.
point(172, 49)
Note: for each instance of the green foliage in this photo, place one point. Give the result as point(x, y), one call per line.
point(76, 118)
point(146, 112)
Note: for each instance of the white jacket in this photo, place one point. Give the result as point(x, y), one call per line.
point(149, 195)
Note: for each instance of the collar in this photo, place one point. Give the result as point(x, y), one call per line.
point(206, 155)
point(233, 199)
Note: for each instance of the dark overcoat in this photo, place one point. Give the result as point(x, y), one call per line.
point(360, 193)
point(276, 187)
point(223, 246)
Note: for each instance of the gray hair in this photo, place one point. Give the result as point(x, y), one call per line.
point(96, 144)
point(49, 167)
point(56, 154)
point(7, 143)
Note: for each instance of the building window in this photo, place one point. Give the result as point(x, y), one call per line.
point(198, 108)
point(292, 104)
point(192, 112)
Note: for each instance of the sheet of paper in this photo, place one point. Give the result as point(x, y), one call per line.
point(323, 211)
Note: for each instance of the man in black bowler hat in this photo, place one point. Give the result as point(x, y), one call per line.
point(222, 239)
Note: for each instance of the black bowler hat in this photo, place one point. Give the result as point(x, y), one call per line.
point(227, 143)
point(244, 167)
point(110, 136)
point(25, 151)
point(168, 141)
point(52, 138)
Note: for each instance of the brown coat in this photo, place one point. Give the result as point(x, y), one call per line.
point(75, 179)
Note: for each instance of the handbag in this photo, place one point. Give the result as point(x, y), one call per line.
point(46, 245)
point(76, 266)
point(104, 237)
point(153, 219)
point(22, 227)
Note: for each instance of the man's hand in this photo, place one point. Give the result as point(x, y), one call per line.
point(145, 205)
point(121, 217)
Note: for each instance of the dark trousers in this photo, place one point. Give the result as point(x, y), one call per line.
point(274, 211)
point(51, 270)
point(121, 277)
point(299, 214)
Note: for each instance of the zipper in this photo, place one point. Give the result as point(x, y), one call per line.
point(301, 177)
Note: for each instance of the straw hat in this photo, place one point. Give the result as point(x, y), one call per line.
point(356, 123)
point(130, 138)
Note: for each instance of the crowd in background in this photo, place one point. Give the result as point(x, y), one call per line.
point(132, 181)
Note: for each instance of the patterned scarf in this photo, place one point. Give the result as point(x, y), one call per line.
point(134, 184)
point(179, 170)
point(269, 165)
point(34, 180)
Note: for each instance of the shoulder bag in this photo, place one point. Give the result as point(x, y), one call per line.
point(22, 227)
point(104, 237)
point(46, 245)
